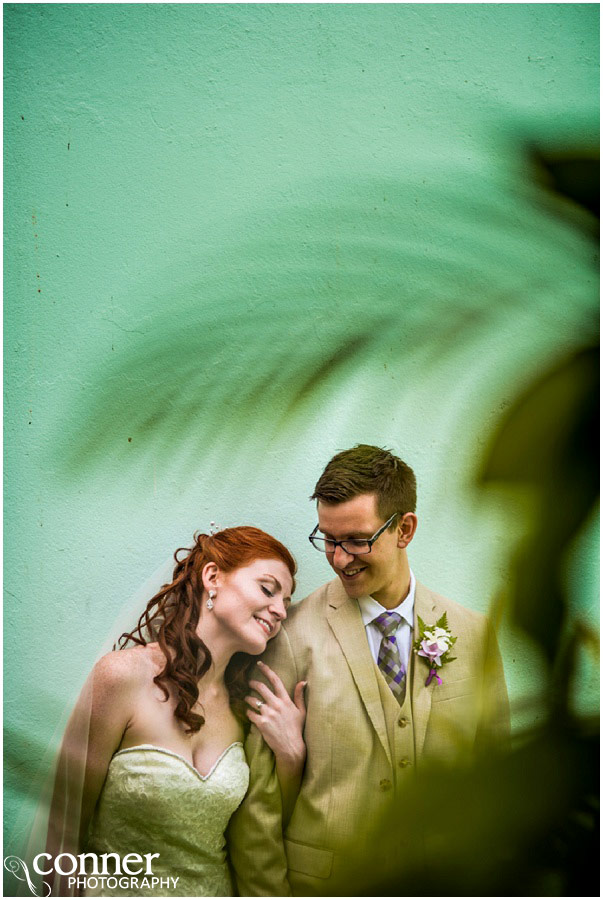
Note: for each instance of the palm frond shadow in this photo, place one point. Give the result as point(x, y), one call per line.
point(316, 294)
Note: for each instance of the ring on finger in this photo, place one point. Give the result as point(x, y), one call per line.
point(259, 704)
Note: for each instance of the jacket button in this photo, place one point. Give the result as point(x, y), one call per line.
point(404, 762)
point(403, 722)
point(385, 784)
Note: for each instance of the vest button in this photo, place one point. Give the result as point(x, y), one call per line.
point(403, 722)
point(404, 762)
point(385, 784)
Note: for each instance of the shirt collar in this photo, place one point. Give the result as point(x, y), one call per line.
point(371, 608)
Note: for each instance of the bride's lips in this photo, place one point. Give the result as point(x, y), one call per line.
point(265, 625)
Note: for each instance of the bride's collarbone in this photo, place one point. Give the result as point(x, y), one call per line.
point(213, 693)
point(153, 723)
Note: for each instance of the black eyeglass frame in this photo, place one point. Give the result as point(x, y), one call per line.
point(369, 541)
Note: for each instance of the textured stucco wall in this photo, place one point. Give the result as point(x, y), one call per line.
point(202, 203)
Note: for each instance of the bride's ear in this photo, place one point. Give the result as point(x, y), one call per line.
point(210, 575)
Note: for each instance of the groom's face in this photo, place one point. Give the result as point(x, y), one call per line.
point(372, 573)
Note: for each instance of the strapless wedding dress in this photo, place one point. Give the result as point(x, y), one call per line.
point(155, 801)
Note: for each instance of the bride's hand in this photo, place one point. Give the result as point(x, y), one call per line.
point(279, 719)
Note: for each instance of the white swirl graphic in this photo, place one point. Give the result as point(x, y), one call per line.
point(18, 868)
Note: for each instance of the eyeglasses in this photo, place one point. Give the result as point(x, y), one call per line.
point(353, 546)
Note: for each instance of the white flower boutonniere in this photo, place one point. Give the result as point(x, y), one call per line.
point(434, 645)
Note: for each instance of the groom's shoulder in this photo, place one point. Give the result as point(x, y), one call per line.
point(431, 605)
point(314, 607)
point(305, 628)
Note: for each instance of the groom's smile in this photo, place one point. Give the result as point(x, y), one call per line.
point(350, 574)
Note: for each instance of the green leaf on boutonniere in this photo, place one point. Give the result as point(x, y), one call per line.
point(421, 624)
point(442, 622)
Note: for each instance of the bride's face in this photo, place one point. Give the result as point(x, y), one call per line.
point(251, 602)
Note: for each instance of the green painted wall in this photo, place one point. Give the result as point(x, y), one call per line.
point(239, 238)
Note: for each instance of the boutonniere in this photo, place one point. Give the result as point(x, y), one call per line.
point(434, 645)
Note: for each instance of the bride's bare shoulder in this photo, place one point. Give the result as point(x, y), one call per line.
point(129, 668)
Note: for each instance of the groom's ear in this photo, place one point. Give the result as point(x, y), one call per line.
point(407, 527)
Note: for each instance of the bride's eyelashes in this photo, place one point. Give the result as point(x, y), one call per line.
point(266, 591)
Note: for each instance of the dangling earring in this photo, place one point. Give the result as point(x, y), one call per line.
point(210, 600)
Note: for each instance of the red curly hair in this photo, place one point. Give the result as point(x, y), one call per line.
point(172, 616)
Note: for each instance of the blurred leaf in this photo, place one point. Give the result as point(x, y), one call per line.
point(513, 825)
point(550, 440)
point(552, 427)
point(574, 175)
point(292, 310)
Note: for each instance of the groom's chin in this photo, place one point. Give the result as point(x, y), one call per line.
point(352, 590)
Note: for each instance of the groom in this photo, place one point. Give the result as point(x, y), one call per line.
point(376, 710)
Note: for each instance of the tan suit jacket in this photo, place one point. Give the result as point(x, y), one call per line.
point(357, 759)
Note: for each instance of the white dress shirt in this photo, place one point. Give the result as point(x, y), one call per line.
point(371, 608)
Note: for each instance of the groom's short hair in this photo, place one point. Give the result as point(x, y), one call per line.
point(369, 470)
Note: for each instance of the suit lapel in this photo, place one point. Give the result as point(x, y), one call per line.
point(429, 609)
point(346, 622)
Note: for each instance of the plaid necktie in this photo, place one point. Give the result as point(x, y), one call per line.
point(389, 656)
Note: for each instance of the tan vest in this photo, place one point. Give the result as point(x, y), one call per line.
point(399, 724)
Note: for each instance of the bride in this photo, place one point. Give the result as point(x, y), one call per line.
point(154, 749)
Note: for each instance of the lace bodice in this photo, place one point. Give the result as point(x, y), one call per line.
point(154, 801)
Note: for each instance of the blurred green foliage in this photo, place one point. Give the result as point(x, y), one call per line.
point(526, 822)
point(321, 293)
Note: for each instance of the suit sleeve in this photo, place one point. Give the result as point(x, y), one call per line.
point(494, 728)
point(255, 833)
